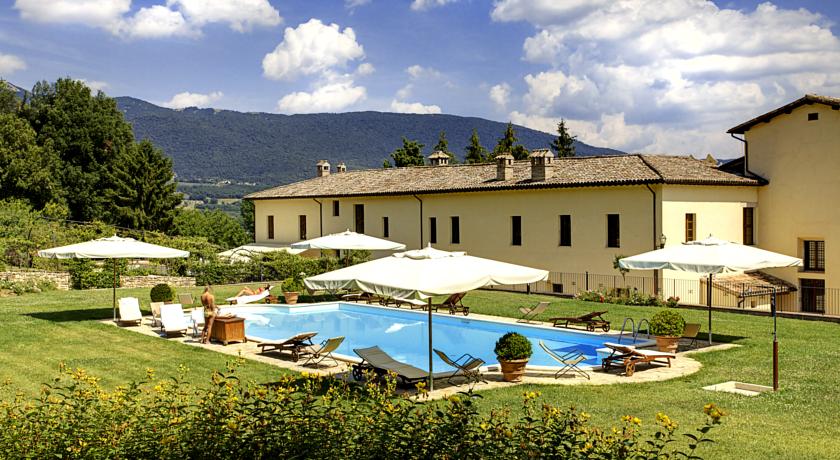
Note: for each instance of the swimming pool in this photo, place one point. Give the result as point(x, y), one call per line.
point(404, 333)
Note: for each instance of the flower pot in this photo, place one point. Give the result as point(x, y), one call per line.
point(667, 343)
point(513, 370)
point(291, 297)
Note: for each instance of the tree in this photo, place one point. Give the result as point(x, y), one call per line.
point(443, 146)
point(9, 102)
point(142, 190)
point(218, 227)
point(475, 152)
point(564, 145)
point(410, 154)
point(27, 170)
point(246, 213)
point(507, 144)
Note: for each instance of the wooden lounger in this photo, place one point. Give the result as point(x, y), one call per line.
point(467, 366)
point(591, 320)
point(294, 344)
point(381, 363)
point(629, 357)
point(453, 304)
point(531, 313)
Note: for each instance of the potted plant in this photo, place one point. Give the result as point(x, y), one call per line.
point(512, 351)
point(292, 287)
point(668, 326)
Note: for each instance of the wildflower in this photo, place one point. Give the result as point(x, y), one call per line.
point(714, 412)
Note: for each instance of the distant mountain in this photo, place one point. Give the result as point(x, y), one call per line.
point(17, 89)
point(271, 149)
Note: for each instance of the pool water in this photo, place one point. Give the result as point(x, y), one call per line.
point(403, 334)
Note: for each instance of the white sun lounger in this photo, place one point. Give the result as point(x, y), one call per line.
point(173, 320)
point(130, 310)
point(246, 299)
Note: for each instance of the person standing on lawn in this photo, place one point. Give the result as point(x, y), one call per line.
point(208, 301)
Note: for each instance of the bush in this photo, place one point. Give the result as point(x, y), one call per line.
point(667, 323)
point(84, 274)
point(513, 346)
point(591, 296)
point(293, 284)
point(311, 417)
point(672, 302)
point(162, 293)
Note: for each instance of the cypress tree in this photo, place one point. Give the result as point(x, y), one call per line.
point(564, 144)
point(475, 152)
point(443, 146)
point(507, 143)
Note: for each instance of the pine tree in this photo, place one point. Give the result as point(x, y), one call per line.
point(443, 146)
point(564, 145)
point(476, 153)
point(410, 154)
point(142, 193)
point(507, 144)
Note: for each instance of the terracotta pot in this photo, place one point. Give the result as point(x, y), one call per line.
point(513, 370)
point(291, 297)
point(667, 343)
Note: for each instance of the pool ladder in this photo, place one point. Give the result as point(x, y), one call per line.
point(633, 329)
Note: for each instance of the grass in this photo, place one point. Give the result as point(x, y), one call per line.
point(41, 330)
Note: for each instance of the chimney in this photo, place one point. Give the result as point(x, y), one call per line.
point(438, 158)
point(541, 164)
point(341, 168)
point(323, 168)
point(504, 166)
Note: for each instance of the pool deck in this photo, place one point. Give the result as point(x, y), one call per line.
point(682, 366)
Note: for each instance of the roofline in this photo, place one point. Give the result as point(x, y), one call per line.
point(808, 99)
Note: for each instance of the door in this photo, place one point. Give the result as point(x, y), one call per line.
point(813, 295)
point(359, 214)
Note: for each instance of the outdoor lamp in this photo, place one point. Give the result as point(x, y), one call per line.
point(662, 240)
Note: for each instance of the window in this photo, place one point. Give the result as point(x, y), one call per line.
point(813, 295)
point(749, 226)
point(359, 213)
point(271, 227)
point(455, 226)
point(433, 230)
point(814, 116)
point(336, 208)
point(386, 230)
point(516, 230)
point(613, 231)
point(302, 227)
point(690, 227)
point(565, 230)
point(814, 256)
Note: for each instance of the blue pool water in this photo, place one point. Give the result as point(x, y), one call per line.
point(404, 334)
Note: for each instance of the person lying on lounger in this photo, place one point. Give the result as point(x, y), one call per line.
point(248, 291)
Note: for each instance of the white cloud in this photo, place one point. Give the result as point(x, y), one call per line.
point(417, 72)
point(351, 4)
point(156, 22)
point(94, 13)
point(331, 97)
point(311, 48)
point(241, 15)
point(365, 68)
point(500, 95)
point(187, 99)
point(10, 63)
point(405, 91)
point(413, 107)
point(95, 85)
point(422, 5)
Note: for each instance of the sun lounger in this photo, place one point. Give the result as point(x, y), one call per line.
point(591, 320)
point(691, 331)
point(413, 303)
point(531, 313)
point(381, 363)
point(130, 311)
point(155, 307)
point(454, 304)
point(629, 357)
point(318, 353)
point(362, 297)
point(294, 344)
point(246, 299)
point(467, 365)
point(197, 320)
point(568, 361)
point(173, 320)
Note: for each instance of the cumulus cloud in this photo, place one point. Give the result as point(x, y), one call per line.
point(669, 68)
point(240, 15)
point(187, 99)
point(413, 107)
point(417, 72)
point(365, 68)
point(95, 13)
point(156, 22)
point(311, 48)
point(422, 5)
point(95, 85)
point(10, 63)
point(331, 97)
point(500, 95)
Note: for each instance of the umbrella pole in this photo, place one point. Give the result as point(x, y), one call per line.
point(775, 343)
point(431, 379)
point(114, 291)
point(709, 301)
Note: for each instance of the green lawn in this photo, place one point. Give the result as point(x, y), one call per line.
point(41, 330)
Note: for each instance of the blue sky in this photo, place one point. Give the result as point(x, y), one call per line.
point(657, 76)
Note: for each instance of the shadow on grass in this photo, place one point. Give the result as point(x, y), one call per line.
point(62, 316)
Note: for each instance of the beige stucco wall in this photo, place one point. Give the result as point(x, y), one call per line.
point(801, 160)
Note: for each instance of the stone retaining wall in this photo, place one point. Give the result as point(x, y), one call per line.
point(60, 279)
point(151, 280)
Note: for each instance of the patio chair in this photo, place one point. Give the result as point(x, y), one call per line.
point(454, 304)
point(316, 354)
point(591, 320)
point(531, 313)
point(628, 357)
point(691, 331)
point(293, 344)
point(173, 320)
point(155, 307)
point(373, 358)
point(185, 299)
point(130, 311)
point(467, 365)
point(568, 361)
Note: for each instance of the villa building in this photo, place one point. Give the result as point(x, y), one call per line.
point(575, 215)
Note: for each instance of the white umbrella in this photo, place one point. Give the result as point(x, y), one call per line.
point(348, 240)
point(423, 273)
point(113, 247)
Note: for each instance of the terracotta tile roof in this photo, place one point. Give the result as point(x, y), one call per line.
point(787, 108)
point(752, 283)
point(567, 172)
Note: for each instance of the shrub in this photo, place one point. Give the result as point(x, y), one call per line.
point(162, 293)
point(84, 274)
point(672, 302)
point(293, 284)
point(311, 417)
point(667, 323)
point(513, 346)
point(591, 296)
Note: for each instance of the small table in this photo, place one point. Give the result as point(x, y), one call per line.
point(228, 329)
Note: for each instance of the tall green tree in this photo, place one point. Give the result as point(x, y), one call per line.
point(564, 144)
point(218, 227)
point(246, 213)
point(142, 192)
point(9, 102)
point(88, 133)
point(410, 154)
point(475, 152)
point(27, 170)
point(508, 143)
point(443, 146)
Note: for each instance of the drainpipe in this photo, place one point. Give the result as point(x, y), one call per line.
point(655, 240)
point(746, 154)
point(421, 220)
point(320, 217)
